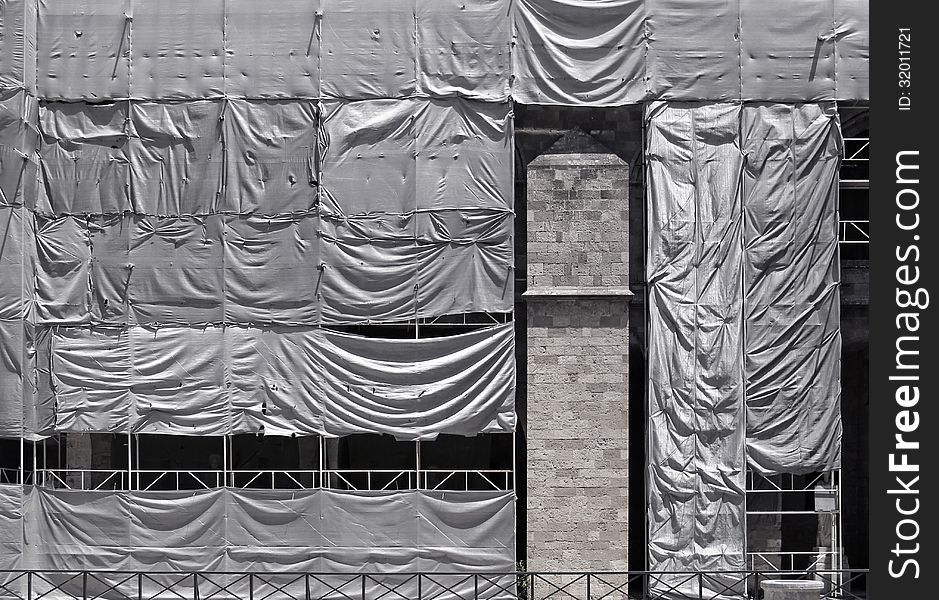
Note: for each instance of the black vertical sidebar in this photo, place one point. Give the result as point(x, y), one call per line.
point(904, 375)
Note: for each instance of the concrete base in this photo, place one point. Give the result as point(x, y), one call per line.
point(782, 589)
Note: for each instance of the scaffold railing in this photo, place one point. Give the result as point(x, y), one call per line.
point(854, 232)
point(338, 479)
point(481, 585)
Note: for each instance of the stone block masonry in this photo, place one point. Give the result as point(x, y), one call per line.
point(577, 358)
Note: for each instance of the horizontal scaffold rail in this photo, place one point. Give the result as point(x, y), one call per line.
point(481, 585)
point(273, 479)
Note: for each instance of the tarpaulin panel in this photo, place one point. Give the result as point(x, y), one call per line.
point(111, 268)
point(792, 273)
point(177, 49)
point(15, 237)
point(270, 531)
point(281, 381)
point(91, 377)
point(419, 388)
point(376, 521)
point(693, 49)
point(15, 171)
point(368, 50)
point(177, 269)
point(275, 388)
point(369, 162)
point(744, 332)
point(85, 167)
point(852, 49)
point(13, 365)
point(696, 400)
point(442, 527)
point(398, 156)
point(18, 44)
point(225, 529)
point(11, 529)
point(64, 530)
point(464, 155)
point(787, 50)
point(84, 49)
point(463, 48)
point(18, 142)
point(578, 52)
point(460, 277)
point(179, 380)
point(150, 270)
point(410, 189)
point(272, 49)
point(40, 416)
point(178, 530)
point(272, 269)
point(461, 226)
point(63, 254)
point(176, 157)
point(367, 280)
point(169, 380)
point(397, 279)
point(274, 519)
point(271, 156)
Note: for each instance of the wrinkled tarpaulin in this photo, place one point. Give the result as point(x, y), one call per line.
point(572, 52)
point(211, 211)
point(215, 179)
point(744, 324)
point(347, 52)
point(613, 52)
point(353, 49)
point(279, 381)
point(263, 531)
point(18, 169)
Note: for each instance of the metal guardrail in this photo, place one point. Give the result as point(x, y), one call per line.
point(339, 479)
point(854, 232)
point(639, 585)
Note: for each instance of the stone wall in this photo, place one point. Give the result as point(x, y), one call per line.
point(577, 357)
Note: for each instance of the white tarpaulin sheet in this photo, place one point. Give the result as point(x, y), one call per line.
point(611, 52)
point(200, 212)
point(18, 45)
point(281, 381)
point(260, 531)
point(11, 527)
point(744, 338)
point(791, 276)
point(571, 52)
point(18, 141)
point(356, 49)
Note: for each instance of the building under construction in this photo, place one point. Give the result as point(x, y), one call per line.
point(350, 298)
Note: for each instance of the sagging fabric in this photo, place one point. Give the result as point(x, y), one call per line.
point(614, 52)
point(279, 381)
point(260, 531)
point(744, 325)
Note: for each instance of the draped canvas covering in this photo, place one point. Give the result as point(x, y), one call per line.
point(569, 52)
point(744, 339)
point(279, 381)
point(189, 190)
point(259, 531)
point(190, 194)
point(614, 52)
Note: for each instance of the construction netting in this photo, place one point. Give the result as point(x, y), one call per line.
point(744, 323)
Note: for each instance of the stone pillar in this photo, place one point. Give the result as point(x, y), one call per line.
point(577, 353)
point(780, 589)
